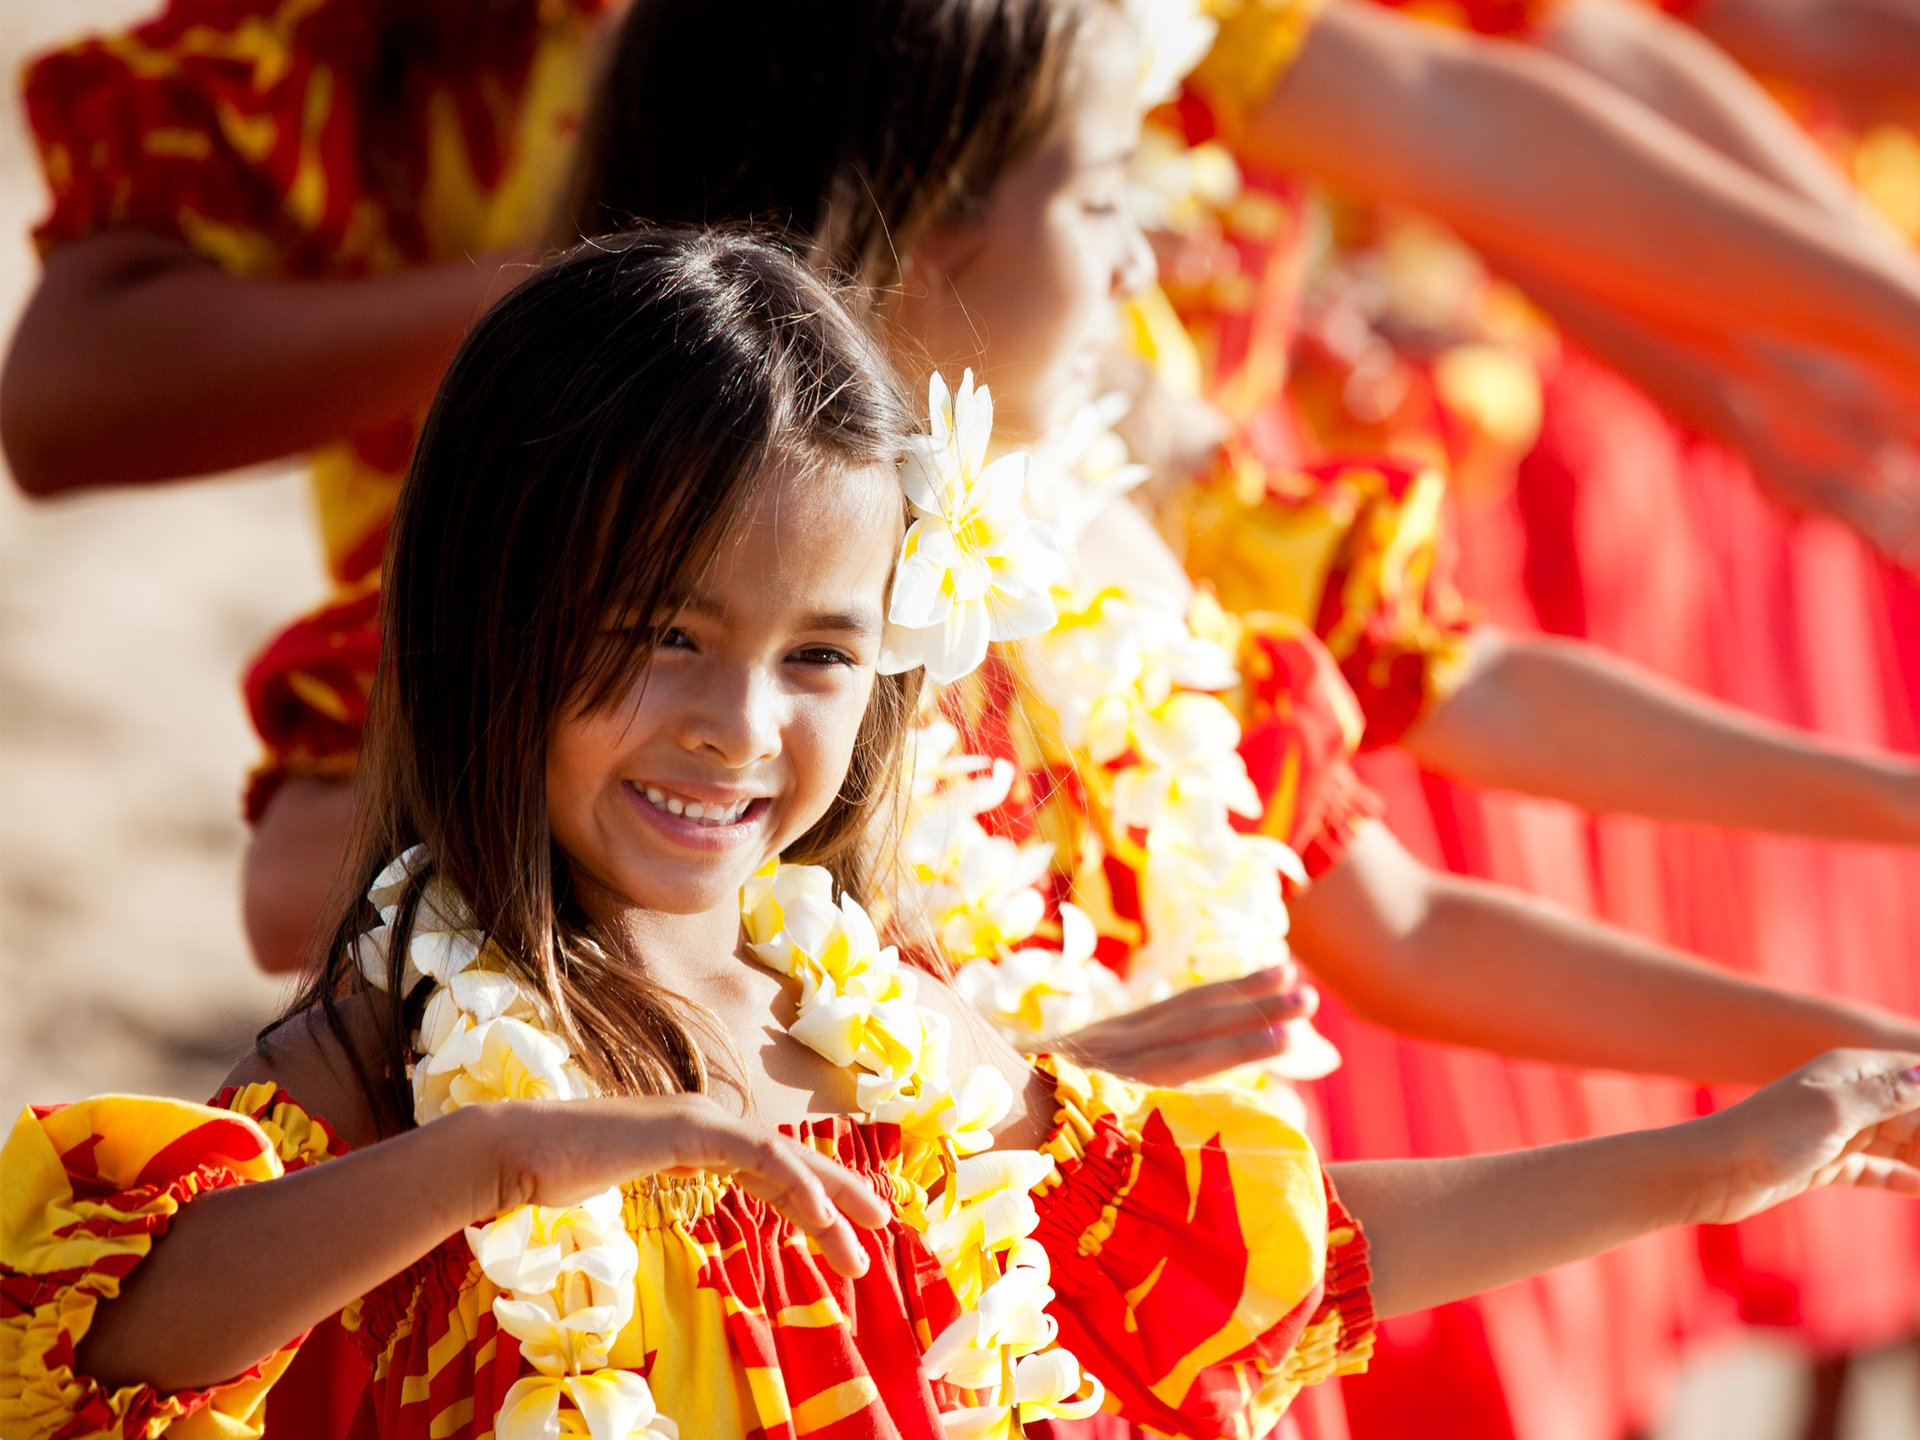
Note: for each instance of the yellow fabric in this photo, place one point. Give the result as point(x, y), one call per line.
point(44, 1233)
point(1258, 40)
point(1285, 1233)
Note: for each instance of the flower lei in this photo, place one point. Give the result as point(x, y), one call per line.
point(1136, 691)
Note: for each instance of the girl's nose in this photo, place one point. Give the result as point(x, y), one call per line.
point(739, 721)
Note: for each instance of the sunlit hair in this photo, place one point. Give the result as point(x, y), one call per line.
point(854, 125)
point(599, 434)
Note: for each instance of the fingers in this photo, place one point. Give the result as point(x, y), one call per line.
point(1265, 999)
point(823, 1199)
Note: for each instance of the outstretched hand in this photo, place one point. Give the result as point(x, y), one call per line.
point(1851, 1117)
point(1199, 1032)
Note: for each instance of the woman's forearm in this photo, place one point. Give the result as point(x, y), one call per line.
point(1468, 963)
point(1518, 150)
point(1563, 720)
point(1677, 74)
point(1441, 1230)
point(136, 361)
point(242, 1271)
point(1864, 52)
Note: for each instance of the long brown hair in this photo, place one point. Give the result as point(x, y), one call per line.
point(852, 125)
point(596, 437)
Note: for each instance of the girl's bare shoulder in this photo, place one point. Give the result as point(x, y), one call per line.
point(314, 1062)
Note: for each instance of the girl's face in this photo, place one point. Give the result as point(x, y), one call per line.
point(1026, 294)
point(737, 736)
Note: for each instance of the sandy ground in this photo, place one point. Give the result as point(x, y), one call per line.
point(124, 621)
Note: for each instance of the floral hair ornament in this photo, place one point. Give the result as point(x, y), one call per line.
point(974, 567)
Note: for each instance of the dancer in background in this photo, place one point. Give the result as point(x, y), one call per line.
point(1075, 1254)
point(272, 221)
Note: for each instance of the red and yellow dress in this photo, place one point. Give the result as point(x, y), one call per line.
point(310, 140)
point(1375, 553)
point(1654, 541)
point(1202, 1264)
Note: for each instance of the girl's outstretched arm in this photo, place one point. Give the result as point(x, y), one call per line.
point(1567, 721)
point(1521, 152)
point(242, 1271)
point(139, 361)
point(1469, 963)
point(1444, 1229)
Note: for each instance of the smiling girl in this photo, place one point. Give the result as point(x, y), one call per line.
point(750, 1177)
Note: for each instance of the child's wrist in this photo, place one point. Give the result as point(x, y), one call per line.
point(470, 1153)
point(1691, 1168)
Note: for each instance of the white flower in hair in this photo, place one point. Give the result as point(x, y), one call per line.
point(974, 567)
point(1175, 36)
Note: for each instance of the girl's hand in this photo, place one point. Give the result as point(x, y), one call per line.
point(1849, 1118)
point(1199, 1032)
point(558, 1153)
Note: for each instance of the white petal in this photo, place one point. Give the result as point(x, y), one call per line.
point(531, 1410)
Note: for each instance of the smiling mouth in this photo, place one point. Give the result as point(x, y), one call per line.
point(711, 816)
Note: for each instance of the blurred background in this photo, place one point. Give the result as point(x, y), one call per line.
point(124, 621)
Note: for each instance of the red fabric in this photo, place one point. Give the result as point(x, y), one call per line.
point(307, 693)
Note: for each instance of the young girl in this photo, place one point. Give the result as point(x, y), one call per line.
point(640, 683)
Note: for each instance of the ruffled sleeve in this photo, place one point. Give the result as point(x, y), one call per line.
point(1257, 41)
point(1204, 1268)
point(227, 124)
point(1300, 727)
point(1360, 551)
point(88, 1189)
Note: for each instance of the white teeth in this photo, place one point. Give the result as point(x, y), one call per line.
point(693, 810)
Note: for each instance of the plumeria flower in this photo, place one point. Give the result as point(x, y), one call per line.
point(765, 896)
point(467, 1001)
point(608, 1404)
point(1011, 1317)
point(962, 1113)
point(835, 947)
point(503, 1059)
point(1175, 36)
point(1191, 773)
point(391, 884)
point(1037, 992)
point(987, 1209)
point(1081, 468)
point(560, 1340)
point(973, 568)
point(1116, 654)
point(1213, 903)
point(885, 1036)
point(971, 784)
point(529, 1248)
point(1048, 1386)
point(978, 892)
